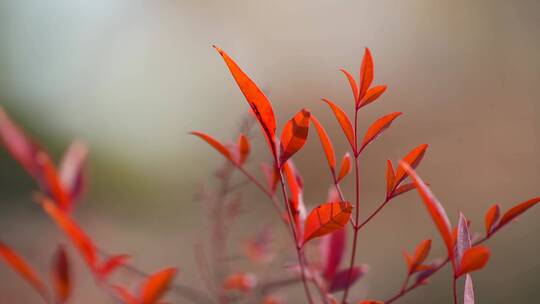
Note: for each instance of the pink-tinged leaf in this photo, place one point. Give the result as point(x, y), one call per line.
point(124, 295)
point(516, 211)
point(372, 95)
point(258, 102)
point(23, 269)
point(366, 73)
point(352, 83)
point(390, 178)
point(216, 145)
point(112, 264)
point(474, 258)
point(243, 149)
point(468, 291)
point(326, 143)
point(413, 159)
point(376, 129)
point(21, 147)
point(434, 207)
point(463, 239)
point(156, 285)
point(492, 216)
point(341, 279)
point(81, 241)
point(50, 180)
point(72, 169)
point(241, 281)
point(294, 135)
point(61, 276)
point(345, 167)
point(327, 218)
point(344, 122)
point(332, 248)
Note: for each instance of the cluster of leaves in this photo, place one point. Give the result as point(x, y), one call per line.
point(61, 187)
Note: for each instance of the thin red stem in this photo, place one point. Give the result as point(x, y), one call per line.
point(454, 288)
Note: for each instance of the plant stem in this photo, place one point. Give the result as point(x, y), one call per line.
point(454, 288)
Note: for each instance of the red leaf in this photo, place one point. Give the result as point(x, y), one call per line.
point(463, 239)
point(403, 189)
point(371, 302)
point(72, 169)
point(156, 285)
point(255, 97)
point(341, 279)
point(111, 264)
point(61, 277)
point(243, 149)
point(492, 216)
point(294, 135)
point(241, 281)
point(474, 258)
point(434, 208)
point(50, 180)
point(390, 178)
point(377, 128)
point(420, 255)
point(125, 296)
point(344, 122)
point(468, 291)
point(372, 95)
point(332, 248)
point(366, 73)
point(516, 211)
point(326, 219)
point(326, 143)
point(345, 167)
point(215, 144)
point(413, 159)
point(21, 147)
point(352, 83)
point(23, 269)
point(297, 194)
point(81, 241)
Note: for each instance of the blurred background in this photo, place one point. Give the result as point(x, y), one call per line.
point(131, 78)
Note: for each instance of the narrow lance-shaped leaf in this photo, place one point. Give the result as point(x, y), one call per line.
point(344, 122)
point(341, 279)
point(23, 269)
point(111, 264)
point(492, 216)
point(413, 159)
point(81, 241)
point(295, 183)
point(352, 83)
point(420, 254)
point(216, 145)
point(463, 241)
point(403, 189)
point(474, 258)
point(156, 285)
point(255, 97)
point(376, 129)
point(327, 218)
point(345, 167)
point(372, 95)
point(61, 276)
point(243, 149)
point(434, 207)
point(294, 135)
point(72, 169)
point(326, 143)
point(516, 211)
point(468, 291)
point(390, 178)
point(366, 72)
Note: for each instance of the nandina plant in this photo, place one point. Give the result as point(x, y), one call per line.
point(323, 280)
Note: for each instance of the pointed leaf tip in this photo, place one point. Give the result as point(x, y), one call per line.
point(376, 129)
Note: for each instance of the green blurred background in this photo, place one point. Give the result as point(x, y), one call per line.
point(132, 78)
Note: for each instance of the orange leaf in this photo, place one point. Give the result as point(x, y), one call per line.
point(492, 216)
point(24, 270)
point(294, 135)
point(390, 177)
point(241, 281)
point(352, 83)
point(413, 159)
point(112, 264)
point(344, 122)
point(434, 208)
point(215, 144)
point(372, 95)
point(366, 73)
point(517, 210)
point(243, 148)
point(156, 285)
point(421, 253)
point(326, 143)
point(474, 258)
point(345, 167)
point(326, 219)
point(52, 183)
point(377, 128)
point(61, 276)
point(81, 241)
point(255, 97)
